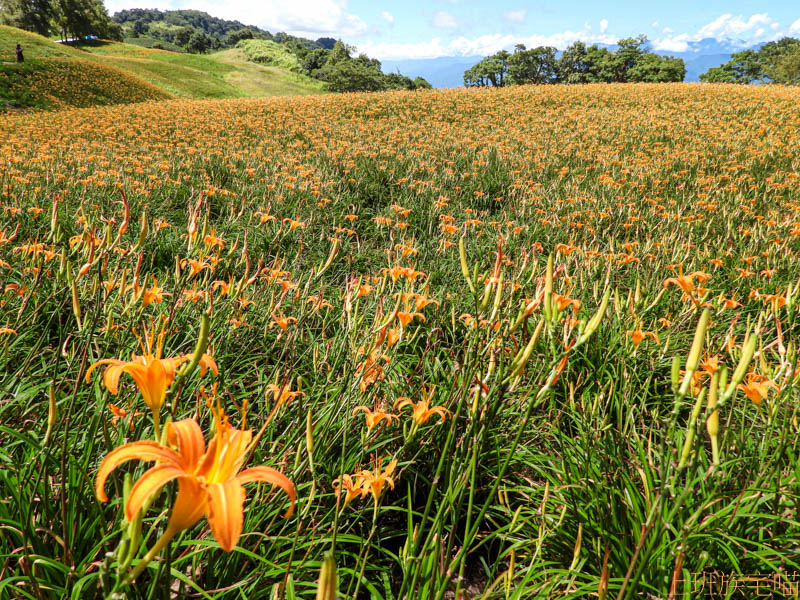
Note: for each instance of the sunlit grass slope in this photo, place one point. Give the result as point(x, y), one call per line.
point(227, 75)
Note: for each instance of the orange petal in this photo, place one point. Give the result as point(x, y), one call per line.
point(151, 381)
point(206, 362)
point(143, 450)
point(272, 476)
point(105, 361)
point(112, 375)
point(190, 505)
point(225, 512)
point(188, 437)
point(170, 365)
point(153, 480)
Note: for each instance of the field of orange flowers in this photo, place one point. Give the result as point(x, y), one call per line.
point(520, 343)
point(54, 83)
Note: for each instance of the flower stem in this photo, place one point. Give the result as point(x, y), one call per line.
point(160, 544)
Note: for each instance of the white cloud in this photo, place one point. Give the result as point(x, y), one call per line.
point(741, 31)
point(311, 18)
point(729, 26)
point(667, 30)
point(444, 20)
point(388, 17)
point(678, 43)
point(478, 46)
point(654, 24)
point(603, 25)
point(515, 16)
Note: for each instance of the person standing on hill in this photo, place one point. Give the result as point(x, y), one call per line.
point(20, 58)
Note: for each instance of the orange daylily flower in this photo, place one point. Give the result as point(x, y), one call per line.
point(353, 488)
point(638, 336)
point(374, 417)
point(406, 317)
point(283, 322)
point(422, 412)
point(757, 387)
point(563, 302)
point(686, 282)
point(120, 413)
point(282, 394)
point(153, 294)
point(153, 375)
point(209, 481)
point(373, 481)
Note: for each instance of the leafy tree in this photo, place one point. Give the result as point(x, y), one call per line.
point(537, 65)
point(492, 70)
point(420, 83)
point(183, 35)
point(237, 35)
point(340, 52)
point(81, 18)
point(756, 66)
point(397, 81)
point(353, 76)
point(654, 68)
point(631, 61)
point(199, 43)
point(573, 65)
point(31, 15)
point(786, 69)
point(629, 52)
point(315, 60)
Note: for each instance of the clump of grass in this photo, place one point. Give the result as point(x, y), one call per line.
point(267, 52)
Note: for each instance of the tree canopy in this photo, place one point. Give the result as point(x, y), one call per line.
point(71, 18)
point(631, 61)
point(777, 62)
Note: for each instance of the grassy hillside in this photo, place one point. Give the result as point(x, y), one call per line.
point(146, 74)
point(262, 80)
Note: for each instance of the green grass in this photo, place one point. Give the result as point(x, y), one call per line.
point(149, 42)
point(267, 52)
point(259, 80)
point(34, 46)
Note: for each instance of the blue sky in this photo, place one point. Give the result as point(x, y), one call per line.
point(432, 28)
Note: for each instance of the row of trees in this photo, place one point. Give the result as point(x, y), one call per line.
point(197, 31)
point(631, 61)
point(69, 18)
point(345, 73)
point(777, 62)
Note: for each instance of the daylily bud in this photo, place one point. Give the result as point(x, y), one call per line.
point(694, 352)
point(712, 423)
point(142, 232)
point(327, 587)
point(76, 304)
point(548, 289)
point(462, 258)
point(51, 413)
point(691, 429)
point(744, 362)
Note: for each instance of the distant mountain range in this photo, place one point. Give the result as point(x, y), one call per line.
point(448, 71)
